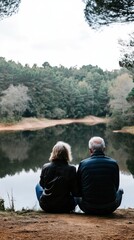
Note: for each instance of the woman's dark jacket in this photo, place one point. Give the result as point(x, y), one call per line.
point(58, 179)
point(98, 178)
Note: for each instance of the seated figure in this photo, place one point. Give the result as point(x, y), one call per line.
point(98, 180)
point(58, 182)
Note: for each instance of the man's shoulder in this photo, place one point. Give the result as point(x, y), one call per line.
point(111, 159)
point(98, 159)
point(85, 161)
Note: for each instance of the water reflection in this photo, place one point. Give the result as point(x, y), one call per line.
point(22, 155)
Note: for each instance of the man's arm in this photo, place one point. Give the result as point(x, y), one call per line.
point(117, 180)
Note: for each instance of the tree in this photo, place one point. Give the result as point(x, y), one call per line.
point(14, 102)
point(118, 91)
point(127, 53)
point(127, 60)
point(56, 92)
point(8, 7)
point(120, 108)
point(104, 12)
point(46, 64)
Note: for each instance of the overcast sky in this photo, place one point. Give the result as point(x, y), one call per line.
point(56, 31)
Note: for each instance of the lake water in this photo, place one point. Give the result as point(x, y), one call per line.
point(22, 155)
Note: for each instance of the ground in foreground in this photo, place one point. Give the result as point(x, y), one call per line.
point(39, 225)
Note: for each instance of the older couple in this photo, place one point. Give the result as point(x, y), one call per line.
point(94, 187)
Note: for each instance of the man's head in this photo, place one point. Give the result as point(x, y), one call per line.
point(96, 144)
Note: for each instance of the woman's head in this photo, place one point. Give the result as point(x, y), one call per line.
point(61, 151)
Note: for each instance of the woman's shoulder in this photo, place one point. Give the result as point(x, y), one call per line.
point(46, 165)
point(72, 166)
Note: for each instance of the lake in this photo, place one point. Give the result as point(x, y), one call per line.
point(22, 155)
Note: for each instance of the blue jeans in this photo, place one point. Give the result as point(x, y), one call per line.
point(108, 208)
point(39, 191)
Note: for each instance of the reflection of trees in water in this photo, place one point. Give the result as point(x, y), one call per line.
point(120, 147)
point(30, 150)
point(16, 148)
point(36, 146)
point(77, 135)
point(130, 165)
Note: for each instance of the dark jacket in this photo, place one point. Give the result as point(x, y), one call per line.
point(59, 182)
point(98, 178)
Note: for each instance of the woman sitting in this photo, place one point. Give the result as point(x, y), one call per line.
point(58, 183)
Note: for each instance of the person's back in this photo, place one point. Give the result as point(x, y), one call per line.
point(58, 182)
point(98, 178)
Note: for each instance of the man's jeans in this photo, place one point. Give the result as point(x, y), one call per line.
point(91, 208)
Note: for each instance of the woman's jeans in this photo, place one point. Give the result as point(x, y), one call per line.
point(39, 191)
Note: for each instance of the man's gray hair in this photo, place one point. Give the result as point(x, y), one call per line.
point(96, 143)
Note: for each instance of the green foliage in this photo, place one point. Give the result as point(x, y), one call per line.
point(105, 12)
point(54, 92)
point(127, 54)
point(58, 113)
point(118, 120)
point(130, 165)
point(2, 207)
point(8, 7)
point(130, 97)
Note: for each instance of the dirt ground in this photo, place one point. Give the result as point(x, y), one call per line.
point(74, 226)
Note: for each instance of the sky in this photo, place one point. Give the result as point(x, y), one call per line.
point(56, 32)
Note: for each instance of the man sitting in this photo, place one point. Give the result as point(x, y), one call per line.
point(98, 179)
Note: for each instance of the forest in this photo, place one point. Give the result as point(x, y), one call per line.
point(57, 92)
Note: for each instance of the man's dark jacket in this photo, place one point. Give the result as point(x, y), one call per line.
point(59, 181)
point(98, 178)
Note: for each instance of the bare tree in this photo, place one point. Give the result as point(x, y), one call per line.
point(119, 91)
point(15, 101)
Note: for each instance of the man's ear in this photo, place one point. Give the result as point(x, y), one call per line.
point(90, 151)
